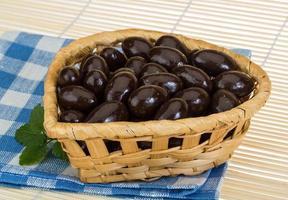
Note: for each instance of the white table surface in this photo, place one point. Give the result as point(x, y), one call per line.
point(258, 169)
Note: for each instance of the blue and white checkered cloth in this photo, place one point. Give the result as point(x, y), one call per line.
point(24, 60)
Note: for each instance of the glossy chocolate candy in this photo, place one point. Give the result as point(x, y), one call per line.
point(123, 69)
point(193, 77)
point(213, 62)
point(152, 68)
point(95, 81)
point(108, 112)
point(173, 109)
point(239, 83)
point(76, 98)
point(197, 99)
point(71, 116)
point(173, 42)
point(120, 87)
point(114, 58)
point(136, 46)
point(136, 63)
point(223, 100)
point(168, 81)
point(144, 101)
point(190, 56)
point(93, 62)
point(68, 76)
point(167, 57)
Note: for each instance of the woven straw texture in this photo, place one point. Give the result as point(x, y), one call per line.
point(207, 141)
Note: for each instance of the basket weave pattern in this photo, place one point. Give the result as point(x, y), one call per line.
point(223, 131)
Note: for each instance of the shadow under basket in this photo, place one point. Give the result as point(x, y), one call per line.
point(125, 151)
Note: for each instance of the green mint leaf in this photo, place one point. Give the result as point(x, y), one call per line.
point(21, 132)
point(37, 119)
point(58, 152)
point(27, 137)
point(33, 155)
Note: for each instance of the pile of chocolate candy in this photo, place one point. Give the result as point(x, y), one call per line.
point(144, 80)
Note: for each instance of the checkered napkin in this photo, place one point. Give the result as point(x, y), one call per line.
point(24, 60)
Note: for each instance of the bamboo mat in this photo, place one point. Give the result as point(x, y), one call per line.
point(258, 169)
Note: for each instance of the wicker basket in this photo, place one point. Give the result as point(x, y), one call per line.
point(207, 141)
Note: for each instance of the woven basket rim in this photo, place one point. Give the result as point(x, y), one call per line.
point(155, 128)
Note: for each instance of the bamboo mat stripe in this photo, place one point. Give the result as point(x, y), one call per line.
point(258, 169)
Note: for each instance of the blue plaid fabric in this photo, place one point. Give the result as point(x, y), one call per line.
point(24, 60)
